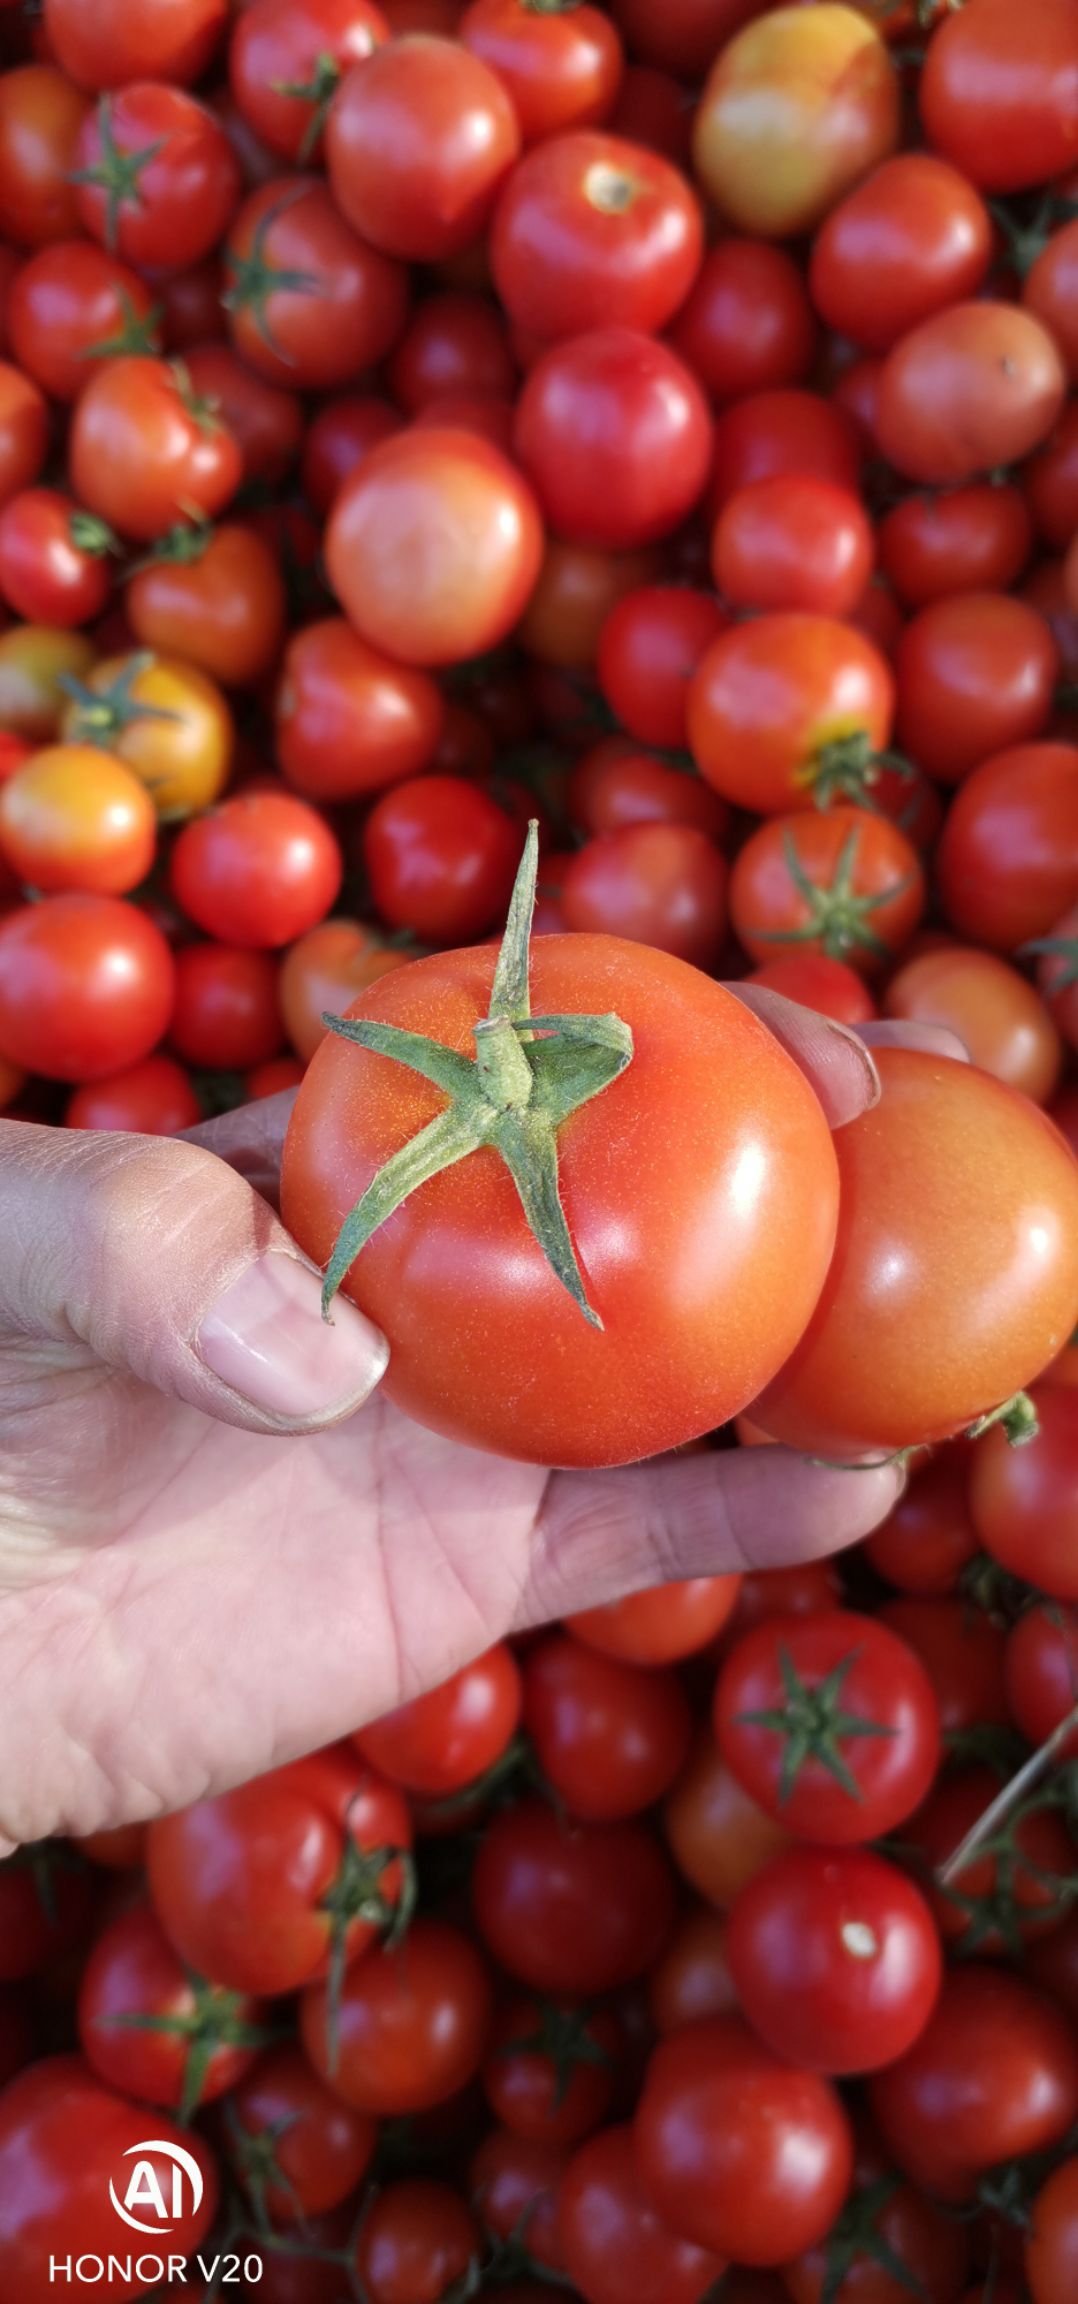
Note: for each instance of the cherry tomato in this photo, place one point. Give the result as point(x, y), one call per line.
point(73, 817)
point(570, 1909)
point(662, 1625)
point(561, 71)
point(974, 674)
point(746, 326)
point(565, 617)
point(616, 2243)
point(166, 721)
point(293, 2146)
point(310, 303)
point(162, 41)
point(974, 539)
point(443, 1741)
point(1005, 1026)
point(769, 434)
point(911, 239)
point(338, 437)
point(719, 1836)
point(993, 2076)
point(349, 721)
point(86, 985)
point(515, 2188)
point(1024, 1502)
point(417, 2241)
point(212, 596)
point(847, 884)
point(157, 178)
point(285, 60)
point(41, 112)
point(259, 870)
point(1014, 1888)
point(1007, 863)
point(145, 449)
point(1041, 1669)
point(650, 646)
point(889, 2242)
point(795, 109)
point(323, 971)
point(265, 422)
point(658, 884)
point(611, 790)
point(151, 2028)
point(154, 1098)
point(411, 2027)
point(972, 387)
point(73, 306)
point(789, 708)
point(23, 432)
point(815, 981)
point(226, 1013)
point(594, 232)
point(996, 94)
point(609, 1737)
point(692, 1979)
point(441, 857)
point(929, 1538)
point(963, 1653)
point(792, 542)
point(419, 140)
point(54, 559)
point(454, 345)
point(551, 2069)
point(614, 433)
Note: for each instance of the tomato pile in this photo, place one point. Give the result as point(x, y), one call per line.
point(658, 425)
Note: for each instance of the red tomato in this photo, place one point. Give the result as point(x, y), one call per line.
point(746, 326)
point(262, 1887)
point(440, 856)
point(260, 869)
point(145, 450)
point(272, 1077)
point(955, 1279)
point(285, 61)
point(23, 432)
point(685, 35)
point(551, 2070)
point(1008, 858)
point(611, 789)
point(73, 303)
point(993, 2076)
point(1041, 1669)
point(613, 431)
point(792, 542)
point(796, 108)
point(226, 1014)
point(847, 884)
point(815, 981)
point(1050, 290)
point(154, 1098)
point(835, 1958)
point(663, 885)
point(1051, 2248)
point(997, 94)
point(564, 619)
point(594, 232)
point(433, 546)
point(609, 1737)
point(963, 1654)
point(418, 142)
point(444, 1740)
point(561, 70)
point(661, 1625)
point(1024, 1502)
point(47, 1903)
point(41, 113)
point(889, 2243)
point(86, 985)
point(157, 178)
point(161, 40)
point(650, 646)
point(411, 2027)
point(338, 437)
point(975, 539)
point(310, 304)
point(910, 240)
point(213, 596)
point(151, 2028)
point(719, 1836)
point(789, 709)
point(454, 345)
point(741, 2153)
point(692, 1979)
point(974, 386)
point(350, 721)
point(770, 434)
point(929, 1538)
point(616, 2243)
point(293, 2146)
point(570, 1909)
point(75, 817)
point(417, 2241)
point(54, 559)
point(515, 2187)
point(322, 972)
point(265, 423)
point(974, 674)
point(1013, 1889)
point(997, 1013)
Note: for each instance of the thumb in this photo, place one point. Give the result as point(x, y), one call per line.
point(164, 1262)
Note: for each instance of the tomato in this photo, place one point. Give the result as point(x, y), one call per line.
point(889, 2243)
point(614, 434)
point(47, 1901)
point(227, 1011)
point(285, 60)
point(73, 817)
point(157, 177)
point(561, 71)
point(811, 978)
point(1049, 290)
point(929, 1538)
point(151, 2028)
point(16, 2036)
point(455, 345)
point(349, 721)
point(997, 96)
point(789, 708)
point(85, 986)
point(575, 592)
point(64, 2138)
point(610, 790)
point(440, 855)
point(1051, 2248)
point(444, 1740)
point(570, 1909)
point(974, 674)
point(145, 450)
point(338, 437)
point(515, 2187)
point(663, 885)
point(262, 1888)
point(993, 2076)
point(167, 723)
point(153, 1098)
point(1008, 857)
point(975, 539)
point(746, 326)
point(303, 2267)
point(963, 1653)
point(72, 306)
point(259, 870)
point(616, 2243)
point(997, 1013)
point(551, 2069)
point(685, 35)
point(310, 304)
point(265, 422)
point(692, 1979)
point(792, 542)
point(972, 387)
point(23, 432)
point(417, 2241)
point(37, 662)
point(412, 2023)
point(661, 1625)
point(433, 545)
point(419, 139)
point(1014, 1889)
point(911, 239)
point(847, 884)
point(1024, 1503)
point(323, 971)
point(795, 109)
point(609, 1737)
point(54, 559)
point(741, 2153)
point(212, 596)
point(728, 1094)
point(650, 645)
point(771, 434)
point(41, 113)
point(1041, 1670)
point(165, 40)
point(594, 232)
point(293, 2146)
point(719, 1836)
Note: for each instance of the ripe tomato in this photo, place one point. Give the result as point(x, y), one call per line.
point(997, 96)
point(719, 1837)
point(293, 2146)
point(564, 620)
point(993, 2076)
point(972, 387)
point(611, 789)
point(348, 720)
point(770, 434)
point(41, 113)
point(929, 1538)
point(515, 2188)
point(570, 1909)
point(263, 1887)
point(829, 1721)
point(911, 239)
point(1024, 1502)
point(614, 433)
point(37, 664)
point(789, 708)
point(963, 1653)
point(214, 596)
point(746, 326)
point(168, 723)
point(662, 1625)
point(86, 986)
point(310, 304)
point(440, 856)
point(338, 437)
point(444, 1740)
point(23, 432)
point(47, 1908)
point(728, 1094)
point(145, 451)
point(561, 71)
point(433, 546)
point(889, 2243)
point(1049, 290)
point(974, 674)
point(74, 304)
point(795, 109)
point(227, 1013)
point(154, 1098)
point(975, 539)
point(1007, 864)
point(1041, 1670)
point(73, 817)
point(650, 646)
point(418, 2240)
point(265, 422)
point(165, 40)
point(151, 2028)
point(811, 978)
point(740, 2152)
point(54, 559)
point(693, 1978)
point(260, 869)
point(1014, 1889)
point(411, 2027)
point(1005, 1026)
point(594, 232)
point(419, 140)
point(955, 1278)
point(835, 1958)
point(284, 63)
point(792, 542)
point(54, 2199)
point(609, 1737)
point(1051, 2248)
point(455, 345)
point(323, 971)
point(663, 885)
point(847, 884)
point(551, 2069)
point(616, 2243)
point(157, 178)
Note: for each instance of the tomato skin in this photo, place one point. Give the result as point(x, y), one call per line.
point(830, 986)
point(663, 885)
point(419, 140)
point(65, 303)
point(911, 239)
point(746, 325)
point(836, 1959)
point(514, 2186)
point(546, 2097)
point(792, 542)
point(348, 720)
point(560, 73)
point(1005, 1026)
point(72, 817)
point(740, 2152)
point(162, 42)
point(929, 1538)
point(265, 422)
point(570, 1909)
point(139, 457)
point(433, 546)
point(770, 911)
point(41, 112)
point(455, 346)
point(440, 1742)
point(595, 1405)
point(994, 2075)
point(719, 1837)
point(338, 437)
point(965, 1197)
point(1008, 857)
point(997, 96)
point(650, 645)
point(994, 1900)
point(909, 2244)
point(616, 2243)
point(594, 232)
point(614, 434)
point(186, 190)
point(1041, 1669)
point(660, 1626)
point(224, 611)
point(974, 674)
point(23, 432)
point(1025, 1510)
point(52, 2199)
point(693, 1978)
point(770, 697)
point(323, 971)
point(417, 2240)
point(412, 2025)
point(563, 622)
point(132, 1971)
point(276, 45)
point(311, 303)
point(610, 1738)
point(609, 791)
point(773, 433)
point(86, 986)
point(258, 870)
point(795, 109)
point(883, 1683)
point(173, 727)
point(974, 386)
point(975, 539)
point(226, 1013)
point(440, 856)
point(1051, 2248)
point(46, 573)
point(154, 1098)
point(321, 2149)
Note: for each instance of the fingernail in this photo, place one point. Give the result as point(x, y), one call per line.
point(873, 1083)
point(266, 1338)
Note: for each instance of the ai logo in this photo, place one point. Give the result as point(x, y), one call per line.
point(149, 2188)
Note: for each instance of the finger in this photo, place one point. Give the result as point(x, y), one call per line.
point(602, 1534)
point(163, 1261)
point(930, 1039)
point(832, 1056)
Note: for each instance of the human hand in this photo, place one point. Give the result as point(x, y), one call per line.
point(210, 1562)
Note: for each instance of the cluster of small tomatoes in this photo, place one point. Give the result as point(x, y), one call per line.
point(660, 424)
